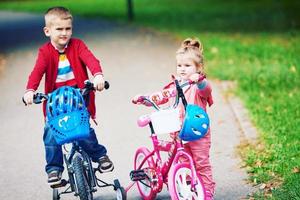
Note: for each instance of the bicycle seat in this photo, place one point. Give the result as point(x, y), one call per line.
point(143, 120)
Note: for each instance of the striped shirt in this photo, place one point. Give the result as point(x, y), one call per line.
point(65, 75)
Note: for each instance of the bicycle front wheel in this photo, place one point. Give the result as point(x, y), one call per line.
point(84, 191)
point(145, 186)
point(179, 183)
point(55, 195)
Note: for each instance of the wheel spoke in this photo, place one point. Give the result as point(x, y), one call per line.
point(145, 186)
point(180, 184)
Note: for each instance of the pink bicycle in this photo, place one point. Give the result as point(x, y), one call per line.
point(178, 172)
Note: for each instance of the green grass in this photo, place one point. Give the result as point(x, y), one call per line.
point(255, 43)
point(88, 8)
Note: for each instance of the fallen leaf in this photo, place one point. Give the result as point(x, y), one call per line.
point(296, 170)
point(263, 186)
point(258, 163)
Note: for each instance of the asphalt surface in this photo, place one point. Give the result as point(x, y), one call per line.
point(134, 61)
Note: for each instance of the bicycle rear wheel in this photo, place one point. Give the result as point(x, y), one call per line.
point(179, 183)
point(84, 190)
point(145, 186)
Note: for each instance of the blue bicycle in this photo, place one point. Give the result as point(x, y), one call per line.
point(82, 179)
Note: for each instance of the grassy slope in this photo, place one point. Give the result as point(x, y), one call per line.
point(255, 43)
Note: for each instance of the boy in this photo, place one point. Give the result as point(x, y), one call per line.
point(63, 60)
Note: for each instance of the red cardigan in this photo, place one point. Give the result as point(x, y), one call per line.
point(79, 56)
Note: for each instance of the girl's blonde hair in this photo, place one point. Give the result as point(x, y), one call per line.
point(194, 48)
point(54, 12)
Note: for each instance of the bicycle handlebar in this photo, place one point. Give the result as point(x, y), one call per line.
point(88, 87)
point(37, 98)
point(179, 94)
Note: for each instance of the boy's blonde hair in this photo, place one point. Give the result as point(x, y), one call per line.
point(194, 48)
point(54, 12)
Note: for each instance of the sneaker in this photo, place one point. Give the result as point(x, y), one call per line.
point(54, 178)
point(105, 164)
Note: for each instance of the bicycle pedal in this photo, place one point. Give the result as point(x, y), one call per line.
point(61, 184)
point(138, 175)
point(106, 171)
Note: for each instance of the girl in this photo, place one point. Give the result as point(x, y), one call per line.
point(190, 66)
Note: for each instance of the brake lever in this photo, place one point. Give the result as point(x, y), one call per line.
point(39, 98)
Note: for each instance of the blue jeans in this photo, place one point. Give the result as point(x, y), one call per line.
point(54, 155)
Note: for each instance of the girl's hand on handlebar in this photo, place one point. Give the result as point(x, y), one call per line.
point(98, 82)
point(196, 78)
point(28, 97)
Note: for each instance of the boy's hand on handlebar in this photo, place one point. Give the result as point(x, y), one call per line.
point(28, 97)
point(98, 82)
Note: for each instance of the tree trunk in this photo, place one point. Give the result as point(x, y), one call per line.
point(130, 10)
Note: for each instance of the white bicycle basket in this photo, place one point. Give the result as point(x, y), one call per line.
point(166, 121)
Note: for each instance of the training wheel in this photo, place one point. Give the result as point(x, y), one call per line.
point(121, 193)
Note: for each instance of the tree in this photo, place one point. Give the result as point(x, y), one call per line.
point(130, 10)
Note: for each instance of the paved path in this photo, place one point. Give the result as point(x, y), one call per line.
point(134, 61)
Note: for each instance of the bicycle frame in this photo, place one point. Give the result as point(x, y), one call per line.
point(176, 152)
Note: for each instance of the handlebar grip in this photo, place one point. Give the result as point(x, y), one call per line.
point(24, 101)
point(201, 77)
point(89, 85)
point(139, 100)
point(106, 85)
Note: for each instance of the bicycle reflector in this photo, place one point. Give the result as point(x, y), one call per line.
point(67, 115)
point(195, 123)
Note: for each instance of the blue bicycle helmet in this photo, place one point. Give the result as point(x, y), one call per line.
point(67, 115)
point(195, 124)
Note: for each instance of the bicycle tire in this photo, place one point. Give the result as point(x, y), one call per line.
point(84, 191)
point(145, 187)
point(55, 195)
point(120, 191)
point(121, 194)
point(179, 186)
